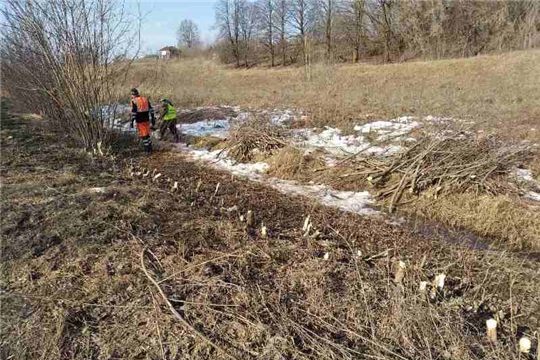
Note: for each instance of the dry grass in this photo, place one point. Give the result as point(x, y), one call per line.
point(500, 89)
point(292, 163)
point(509, 222)
point(72, 286)
point(205, 142)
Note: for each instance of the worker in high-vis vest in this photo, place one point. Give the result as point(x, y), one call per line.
point(168, 120)
point(141, 113)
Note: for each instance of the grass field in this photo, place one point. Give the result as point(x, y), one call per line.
point(500, 90)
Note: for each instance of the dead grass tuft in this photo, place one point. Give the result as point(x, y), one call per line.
point(206, 142)
point(292, 163)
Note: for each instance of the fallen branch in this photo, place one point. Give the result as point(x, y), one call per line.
point(177, 315)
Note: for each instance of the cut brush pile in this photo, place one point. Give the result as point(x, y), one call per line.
point(253, 138)
point(443, 162)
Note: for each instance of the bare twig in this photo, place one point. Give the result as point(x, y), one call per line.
point(177, 315)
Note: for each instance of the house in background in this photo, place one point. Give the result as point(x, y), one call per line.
point(168, 52)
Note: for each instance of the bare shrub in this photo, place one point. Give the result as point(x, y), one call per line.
point(63, 58)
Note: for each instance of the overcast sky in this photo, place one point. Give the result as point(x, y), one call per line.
point(163, 17)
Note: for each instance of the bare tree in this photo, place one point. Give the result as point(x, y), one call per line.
point(281, 11)
point(329, 10)
point(302, 18)
point(188, 34)
point(228, 23)
point(58, 58)
point(382, 20)
point(267, 13)
point(248, 20)
point(353, 25)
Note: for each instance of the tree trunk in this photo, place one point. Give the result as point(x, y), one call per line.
point(284, 50)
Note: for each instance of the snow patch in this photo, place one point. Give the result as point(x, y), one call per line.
point(356, 202)
point(350, 201)
point(250, 170)
point(389, 129)
point(217, 128)
point(533, 196)
point(524, 175)
point(331, 140)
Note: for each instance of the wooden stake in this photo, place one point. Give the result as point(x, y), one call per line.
point(306, 223)
point(491, 326)
point(439, 281)
point(250, 218)
point(524, 345)
point(399, 271)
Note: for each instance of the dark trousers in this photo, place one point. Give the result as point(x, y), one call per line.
point(171, 125)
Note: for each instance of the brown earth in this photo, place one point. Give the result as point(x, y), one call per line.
point(75, 228)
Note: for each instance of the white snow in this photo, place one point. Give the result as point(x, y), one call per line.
point(332, 141)
point(389, 129)
point(250, 170)
point(432, 118)
point(217, 128)
point(279, 118)
point(524, 175)
point(356, 202)
point(533, 196)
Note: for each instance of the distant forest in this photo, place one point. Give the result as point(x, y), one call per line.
point(283, 32)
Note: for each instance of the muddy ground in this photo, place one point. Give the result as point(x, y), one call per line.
point(78, 232)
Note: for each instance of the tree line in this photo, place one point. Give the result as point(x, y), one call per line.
point(283, 32)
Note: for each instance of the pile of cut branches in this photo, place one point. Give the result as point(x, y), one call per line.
point(444, 162)
point(252, 138)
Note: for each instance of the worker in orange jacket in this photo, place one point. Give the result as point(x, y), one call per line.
point(141, 113)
